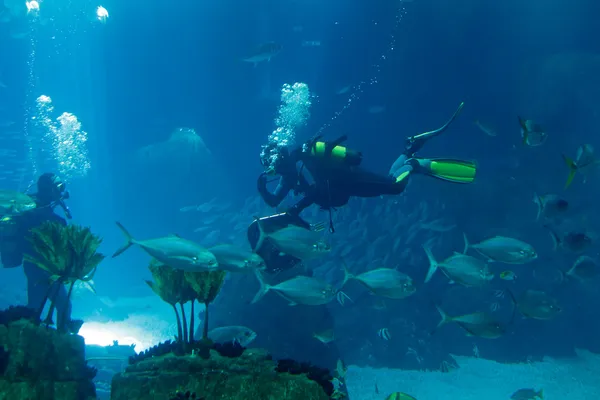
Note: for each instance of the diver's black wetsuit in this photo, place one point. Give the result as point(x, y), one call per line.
point(334, 183)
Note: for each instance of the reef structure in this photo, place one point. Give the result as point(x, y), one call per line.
point(41, 363)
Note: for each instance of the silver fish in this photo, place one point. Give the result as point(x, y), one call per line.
point(533, 134)
point(295, 241)
point(536, 304)
point(173, 251)
point(299, 290)
point(385, 282)
point(229, 334)
point(550, 205)
point(527, 394)
point(13, 202)
point(503, 249)
point(585, 160)
point(460, 268)
point(478, 324)
point(583, 268)
point(576, 242)
point(235, 259)
point(264, 52)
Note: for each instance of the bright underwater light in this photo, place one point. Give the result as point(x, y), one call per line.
point(101, 335)
point(102, 14)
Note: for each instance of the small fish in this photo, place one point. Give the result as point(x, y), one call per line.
point(503, 249)
point(584, 268)
point(533, 134)
point(508, 275)
point(340, 369)
point(384, 333)
point(536, 304)
point(13, 202)
point(173, 251)
point(299, 290)
point(478, 324)
point(311, 43)
point(230, 334)
point(400, 396)
point(235, 259)
point(384, 282)
point(264, 52)
point(576, 242)
point(295, 241)
point(485, 129)
point(528, 394)
point(376, 109)
point(585, 160)
point(460, 268)
point(326, 336)
point(550, 205)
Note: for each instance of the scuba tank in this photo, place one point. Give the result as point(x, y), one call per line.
point(334, 151)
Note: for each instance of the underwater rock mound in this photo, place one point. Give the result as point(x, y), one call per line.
point(252, 375)
point(39, 363)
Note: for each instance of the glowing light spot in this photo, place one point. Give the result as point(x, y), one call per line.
point(102, 14)
point(32, 7)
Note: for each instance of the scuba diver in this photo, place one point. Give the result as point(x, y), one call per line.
point(14, 242)
point(328, 174)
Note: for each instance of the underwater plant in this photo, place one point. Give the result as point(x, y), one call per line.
point(171, 286)
point(207, 286)
point(68, 253)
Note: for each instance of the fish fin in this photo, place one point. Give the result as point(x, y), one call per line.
point(433, 265)
point(444, 319)
point(572, 170)
point(264, 287)
point(130, 240)
point(261, 234)
point(515, 305)
point(523, 124)
point(540, 394)
point(538, 201)
point(554, 236)
point(467, 244)
point(347, 274)
point(90, 286)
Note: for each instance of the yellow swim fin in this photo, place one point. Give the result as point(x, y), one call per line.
point(572, 170)
point(457, 171)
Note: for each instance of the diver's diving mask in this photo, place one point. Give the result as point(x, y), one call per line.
point(60, 194)
point(268, 158)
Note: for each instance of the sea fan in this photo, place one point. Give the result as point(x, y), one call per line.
point(68, 253)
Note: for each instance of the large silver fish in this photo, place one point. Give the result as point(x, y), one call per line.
point(295, 241)
point(478, 324)
point(299, 290)
point(264, 52)
point(13, 202)
point(460, 268)
point(229, 334)
point(385, 282)
point(532, 134)
point(503, 249)
point(173, 251)
point(536, 304)
point(235, 259)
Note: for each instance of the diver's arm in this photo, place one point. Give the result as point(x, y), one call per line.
point(297, 208)
point(275, 198)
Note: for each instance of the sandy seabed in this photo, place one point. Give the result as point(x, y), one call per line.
point(575, 378)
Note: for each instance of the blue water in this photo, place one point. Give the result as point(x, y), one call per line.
point(157, 66)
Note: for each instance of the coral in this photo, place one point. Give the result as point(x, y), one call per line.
point(16, 313)
point(67, 253)
point(253, 375)
point(230, 350)
point(320, 375)
point(38, 363)
point(206, 286)
point(186, 395)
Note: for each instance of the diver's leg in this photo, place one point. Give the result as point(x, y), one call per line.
point(38, 285)
point(451, 170)
point(63, 305)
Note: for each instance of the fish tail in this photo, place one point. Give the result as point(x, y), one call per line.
point(433, 264)
point(444, 318)
point(264, 287)
point(572, 170)
point(130, 240)
point(347, 274)
point(467, 244)
point(523, 124)
point(538, 201)
point(554, 236)
point(261, 234)
point(540, 394)
point(515, 305)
